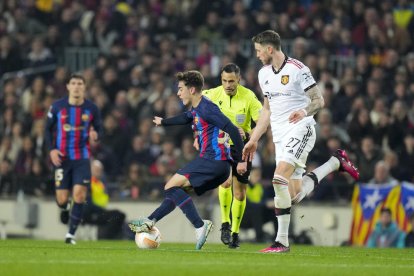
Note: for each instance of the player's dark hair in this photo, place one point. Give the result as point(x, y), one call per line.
point(191, 78)
point(269, 37)
point(386, 210)
point(76, 76)
point(231, 68)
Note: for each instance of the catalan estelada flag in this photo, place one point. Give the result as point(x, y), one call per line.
point(406, 205)
point(367, 202)
point(369, 199)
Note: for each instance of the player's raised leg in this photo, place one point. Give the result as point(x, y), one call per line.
point(338, 161)
point(176, 196)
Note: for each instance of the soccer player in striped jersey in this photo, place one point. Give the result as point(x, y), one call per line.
point(207, 171)
point(71, 121)
point(292, 97)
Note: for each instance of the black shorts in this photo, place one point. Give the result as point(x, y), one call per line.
point(244, 178)
point(205, 174)
point(72, 172)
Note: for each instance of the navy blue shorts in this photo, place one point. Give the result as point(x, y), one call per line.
point(73, 172)
point(205, 174)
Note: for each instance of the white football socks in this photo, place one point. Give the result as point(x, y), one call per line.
point(326, 168)
point(283, 229)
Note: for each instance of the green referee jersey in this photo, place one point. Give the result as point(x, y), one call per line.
point(241, 108)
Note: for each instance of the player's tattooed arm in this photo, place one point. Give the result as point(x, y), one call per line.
point(317, 101)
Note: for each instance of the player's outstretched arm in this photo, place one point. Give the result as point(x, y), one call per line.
point(261, 127)
point(262, 122)
point(182, 119)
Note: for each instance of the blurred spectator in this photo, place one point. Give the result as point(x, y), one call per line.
point(25, 157)
point(367, 157)
point(114, 138)
point(134, 185)
point(406, 158)
point(398, 126)
point(110, 222)
point(6, 178)
point(360, 126)
point(39, 55)
point(211, 29)
point(10, 59)
point(409, 239)
point(106, 155)
point(187, 153)
point(139, 152)
point(38, 182)
point(386, 232)
point(382, 174)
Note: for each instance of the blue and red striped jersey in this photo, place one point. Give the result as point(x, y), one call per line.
point(208, 122)
point(68, 126)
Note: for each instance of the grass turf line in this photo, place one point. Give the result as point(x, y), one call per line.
point(38, 257)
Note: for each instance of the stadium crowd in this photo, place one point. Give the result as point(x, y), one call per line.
point(369, 104)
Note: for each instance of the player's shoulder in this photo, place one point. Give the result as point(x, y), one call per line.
point(90, 104)
point(206, 102)
point(265, 69)
point(206, 106)
point(213, 91)
point(295, 64)
point(60, 102)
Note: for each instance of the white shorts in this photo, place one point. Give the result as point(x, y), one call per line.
point(294, 148)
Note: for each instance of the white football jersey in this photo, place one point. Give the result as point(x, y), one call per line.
point(286, 91)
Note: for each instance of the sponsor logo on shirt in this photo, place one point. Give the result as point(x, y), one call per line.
point(68, 127)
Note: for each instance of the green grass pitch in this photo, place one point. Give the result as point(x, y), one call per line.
point(37, 257)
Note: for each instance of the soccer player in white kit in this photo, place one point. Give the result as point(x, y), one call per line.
point(291, 98)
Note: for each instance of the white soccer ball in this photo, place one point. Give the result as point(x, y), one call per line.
point(148, 240)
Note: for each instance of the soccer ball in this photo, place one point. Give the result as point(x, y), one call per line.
point(148, 240)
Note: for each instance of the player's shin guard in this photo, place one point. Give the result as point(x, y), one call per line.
point(282, 208)
point(225, 197)
point(75, 217)
point(237, 212)
point(166, 207)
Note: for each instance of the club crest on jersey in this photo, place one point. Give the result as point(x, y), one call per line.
point(284, 79)
point(85, 117)
point(67, 127)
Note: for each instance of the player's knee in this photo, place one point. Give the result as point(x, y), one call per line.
point(239, 191)
point(62, 203)
point(282, 195)
point(62, 200)
point(79, 196)
point(226, 184)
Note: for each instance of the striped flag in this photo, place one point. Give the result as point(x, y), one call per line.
point(406, 206)
point(367, 202)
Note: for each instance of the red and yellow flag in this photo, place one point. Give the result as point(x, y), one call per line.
point(369, 199)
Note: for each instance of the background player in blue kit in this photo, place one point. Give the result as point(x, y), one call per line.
point(71, 121)
point(207, 171)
